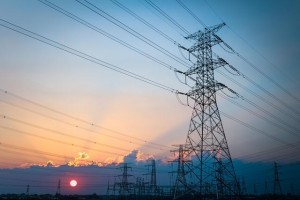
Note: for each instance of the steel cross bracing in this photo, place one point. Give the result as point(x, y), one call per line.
point(206, 140)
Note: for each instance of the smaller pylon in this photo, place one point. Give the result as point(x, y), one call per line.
point(180, 186)
point(27, 189)
point(58, 190)
point(277, 186)
point(125, 187)
point(153, 189)
point(107, 190)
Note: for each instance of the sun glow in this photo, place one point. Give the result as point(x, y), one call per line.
point(73, 183)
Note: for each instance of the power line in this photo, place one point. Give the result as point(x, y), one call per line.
point(101, 31)
point(144, 142)
point(126, 9)
point(191, 13)
point(252, 65)
point(131, 31)
point(256, 129)
point(153, 5)
point(62, 142)
point(82, 55)
point(257, 95)
point(260, 116)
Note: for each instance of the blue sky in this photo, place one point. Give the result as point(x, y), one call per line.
point(64, 82)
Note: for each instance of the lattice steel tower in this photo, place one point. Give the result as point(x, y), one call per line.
point(206, 138)
point(277, 186)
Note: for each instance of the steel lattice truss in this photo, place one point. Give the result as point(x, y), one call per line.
point(212, 172)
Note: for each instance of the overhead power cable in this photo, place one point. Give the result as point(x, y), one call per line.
point(141, 141)
point(286, 130)
point(106, 34)
point(254, 66)
point(80, 54)
point(259, 96)
point(251, 45)
point(153, 5)
point(126, 9)
point(131, 31)
point(256, 130)
point(63, 142)
point(191, 13)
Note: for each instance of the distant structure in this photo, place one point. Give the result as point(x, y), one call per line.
point(180, 186)
point(58, 189)
point(206, 141)
point(277, 186)
point(124, 187)
point(153, 189)
point(27, 189)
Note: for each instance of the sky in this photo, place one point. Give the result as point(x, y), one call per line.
point(56, 106)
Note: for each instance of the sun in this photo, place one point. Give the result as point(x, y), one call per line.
point(73, 183)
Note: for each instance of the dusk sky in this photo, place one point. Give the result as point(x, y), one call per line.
point(60, 109)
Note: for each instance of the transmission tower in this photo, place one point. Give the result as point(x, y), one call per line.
point(180, 186)
point(153, 189)
point(277, 186)
point(125, 188)
point(27, 190)
point(206, 140)
point(58, 190)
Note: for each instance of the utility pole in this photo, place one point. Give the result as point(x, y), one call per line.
point(206, 139)
point(277, 186)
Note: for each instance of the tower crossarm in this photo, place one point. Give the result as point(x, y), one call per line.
point(199, 67)
point(209, 30)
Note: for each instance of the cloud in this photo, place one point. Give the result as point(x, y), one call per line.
point(137, 156)
point(82, 160)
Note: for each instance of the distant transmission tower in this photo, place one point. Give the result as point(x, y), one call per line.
point(277, 186)
point(27, 190)
point(125, 188)
point(206, 140)
point(153, 185)
point(180, 186)
point(58, 189)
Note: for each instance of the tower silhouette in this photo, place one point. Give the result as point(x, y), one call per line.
point(27, 190)
point(277, 186)
point(180, 186)
point(153, 189)
point(206, 141)
point(58, 190)
point(124, 186)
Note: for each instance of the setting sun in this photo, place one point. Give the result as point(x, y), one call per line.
point(73, 183)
